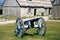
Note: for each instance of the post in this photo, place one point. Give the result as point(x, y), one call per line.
point(6, 17)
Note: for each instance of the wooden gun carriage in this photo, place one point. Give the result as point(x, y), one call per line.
point(22, 26)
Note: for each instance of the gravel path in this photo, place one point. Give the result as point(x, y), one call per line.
point(6, 22)
point(54, 20)
point(13, 21)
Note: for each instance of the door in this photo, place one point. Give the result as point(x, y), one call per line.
point(0, 12)
point(34, 12)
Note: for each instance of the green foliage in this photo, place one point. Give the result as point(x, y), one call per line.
point(52, 32)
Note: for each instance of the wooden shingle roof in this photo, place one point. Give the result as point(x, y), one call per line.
point(35, 3)
point(10, 3)
point(27, 3)
point(56, 2)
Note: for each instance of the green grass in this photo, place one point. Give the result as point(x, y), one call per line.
point(52, 32)
point(2, 17)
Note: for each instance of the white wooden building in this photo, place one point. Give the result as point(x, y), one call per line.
point(20, 8)
point(56, 9)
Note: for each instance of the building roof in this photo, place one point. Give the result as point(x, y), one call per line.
point(35, 3)
point(28, 3)
point(11, 3)
point(56, 2)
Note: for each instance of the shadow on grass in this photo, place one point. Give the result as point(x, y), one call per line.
point(26, 34)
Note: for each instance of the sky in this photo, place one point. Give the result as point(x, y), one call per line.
point(1, 2)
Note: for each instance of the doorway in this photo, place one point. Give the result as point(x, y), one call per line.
point(34, 12)
point(42, 14)
point(0, 12)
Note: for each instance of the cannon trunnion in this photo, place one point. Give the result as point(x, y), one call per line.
point(38, 23)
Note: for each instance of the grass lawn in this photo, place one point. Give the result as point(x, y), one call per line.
point(52, 32)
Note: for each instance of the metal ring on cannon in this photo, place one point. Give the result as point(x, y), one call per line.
point(41, 30)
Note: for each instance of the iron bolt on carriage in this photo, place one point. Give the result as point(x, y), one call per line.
point(22, 26)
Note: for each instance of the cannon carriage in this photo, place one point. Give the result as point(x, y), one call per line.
point(22, 26)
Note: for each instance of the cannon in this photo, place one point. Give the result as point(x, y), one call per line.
point(38, 23)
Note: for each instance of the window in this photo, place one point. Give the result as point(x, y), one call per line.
point(42, 14)
point(29, 10)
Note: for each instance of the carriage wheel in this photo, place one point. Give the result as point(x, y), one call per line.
point(21, 33)
point(19, 28)
point(42, 27)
